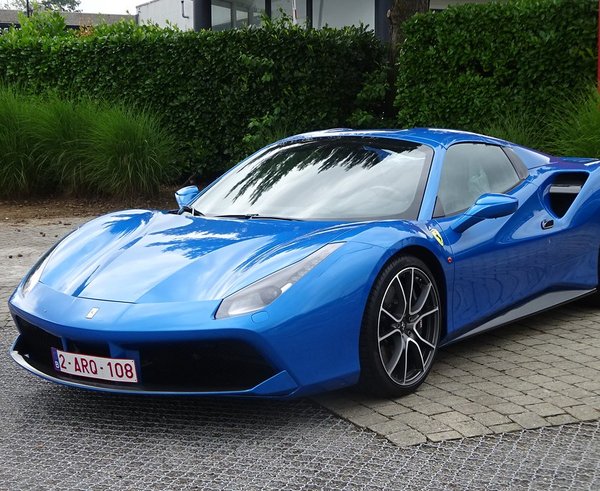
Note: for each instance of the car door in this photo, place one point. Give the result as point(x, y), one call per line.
point(498, 262)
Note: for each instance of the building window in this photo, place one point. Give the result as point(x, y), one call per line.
point(342, 13)
point(285, 7)
point(236, 13)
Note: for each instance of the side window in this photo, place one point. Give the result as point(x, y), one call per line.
point(470, 170)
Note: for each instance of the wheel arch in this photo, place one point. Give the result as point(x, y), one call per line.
point(434, 264)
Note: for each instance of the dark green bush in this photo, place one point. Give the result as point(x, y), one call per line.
point(212, 89)
point(469, 66)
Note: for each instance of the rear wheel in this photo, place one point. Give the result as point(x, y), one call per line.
point(401, 328)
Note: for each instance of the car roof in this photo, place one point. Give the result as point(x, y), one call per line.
point(430, 136)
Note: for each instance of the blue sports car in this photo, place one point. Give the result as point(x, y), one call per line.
point(322, 261)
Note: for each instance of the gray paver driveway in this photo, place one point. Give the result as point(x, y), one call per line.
point(539, 374)
point(543, 371)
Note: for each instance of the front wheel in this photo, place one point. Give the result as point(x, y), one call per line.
point(401, 328)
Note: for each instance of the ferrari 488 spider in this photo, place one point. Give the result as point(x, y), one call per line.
point(321, 261)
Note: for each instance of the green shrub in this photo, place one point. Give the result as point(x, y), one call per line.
point(210, 88)
point(19, 171)
point(521, 128)
point(79, 146)
point(575, 127)
point(471, 65)
point(62, 129)
point(128, 153)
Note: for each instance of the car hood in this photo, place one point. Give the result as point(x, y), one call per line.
point(142, 256)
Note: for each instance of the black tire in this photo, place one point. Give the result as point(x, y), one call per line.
point(397, 345)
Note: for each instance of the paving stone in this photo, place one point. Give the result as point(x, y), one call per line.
point(508, 408)
point(524, 400)
point(423, 423)
point(392, 409)
point(444, 435)
point(432, 408)
point(407, 437)
point(354, 411)
point(529, 420)
point(389, 427)
point(561, 401)
point(413, 400)
point(505, 428)
point(545, 409)
point(451, 417)
point(593, 401)
point(583, 413)
point(470, 408)
point(470, 428)
point(369, 419)
point(487, 400)
point(491, 418)
point(561, 419)
point(452, 400)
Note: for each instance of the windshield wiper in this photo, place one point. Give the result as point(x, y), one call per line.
point(251, 216)
point(191, 210)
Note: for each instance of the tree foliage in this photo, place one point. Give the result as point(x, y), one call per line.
point(58, 5)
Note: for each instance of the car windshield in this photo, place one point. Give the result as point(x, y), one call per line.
point(325, 179)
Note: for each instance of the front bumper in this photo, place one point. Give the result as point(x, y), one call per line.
point(294, 348)
point(223, 367)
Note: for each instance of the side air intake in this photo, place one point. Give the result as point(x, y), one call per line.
point(563, 190)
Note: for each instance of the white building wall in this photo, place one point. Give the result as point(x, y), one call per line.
point(341, 13)
point(333, 13)
point(164, 12)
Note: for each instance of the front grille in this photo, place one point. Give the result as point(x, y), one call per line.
point(35, 344)
point(86, 348)
point(194, 366)
point(206, 366)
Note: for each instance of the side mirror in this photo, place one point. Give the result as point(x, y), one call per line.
point(486, 206)
point(186, 195)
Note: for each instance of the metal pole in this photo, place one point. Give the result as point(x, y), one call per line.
point(28, 9)
point(382, 24)
point(202, 15)
point(309, 13)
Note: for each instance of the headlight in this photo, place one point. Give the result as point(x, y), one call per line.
point(263, 292)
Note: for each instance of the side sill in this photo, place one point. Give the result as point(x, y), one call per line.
point(539, 304)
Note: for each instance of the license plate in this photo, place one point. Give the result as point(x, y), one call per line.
point(113, 369)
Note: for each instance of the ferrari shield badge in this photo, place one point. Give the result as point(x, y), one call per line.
point(437, 236)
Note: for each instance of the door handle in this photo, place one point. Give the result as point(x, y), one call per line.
point(546, 224)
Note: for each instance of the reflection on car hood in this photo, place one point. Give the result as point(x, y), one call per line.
point(144, 256)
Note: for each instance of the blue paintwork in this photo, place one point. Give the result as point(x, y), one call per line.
point(487, 206)
point(157, 276)
point(186, 195)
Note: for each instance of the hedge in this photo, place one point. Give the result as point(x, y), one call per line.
point(469, 66)
point(216, 91)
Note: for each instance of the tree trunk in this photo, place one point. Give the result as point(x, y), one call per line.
point(401, 11)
